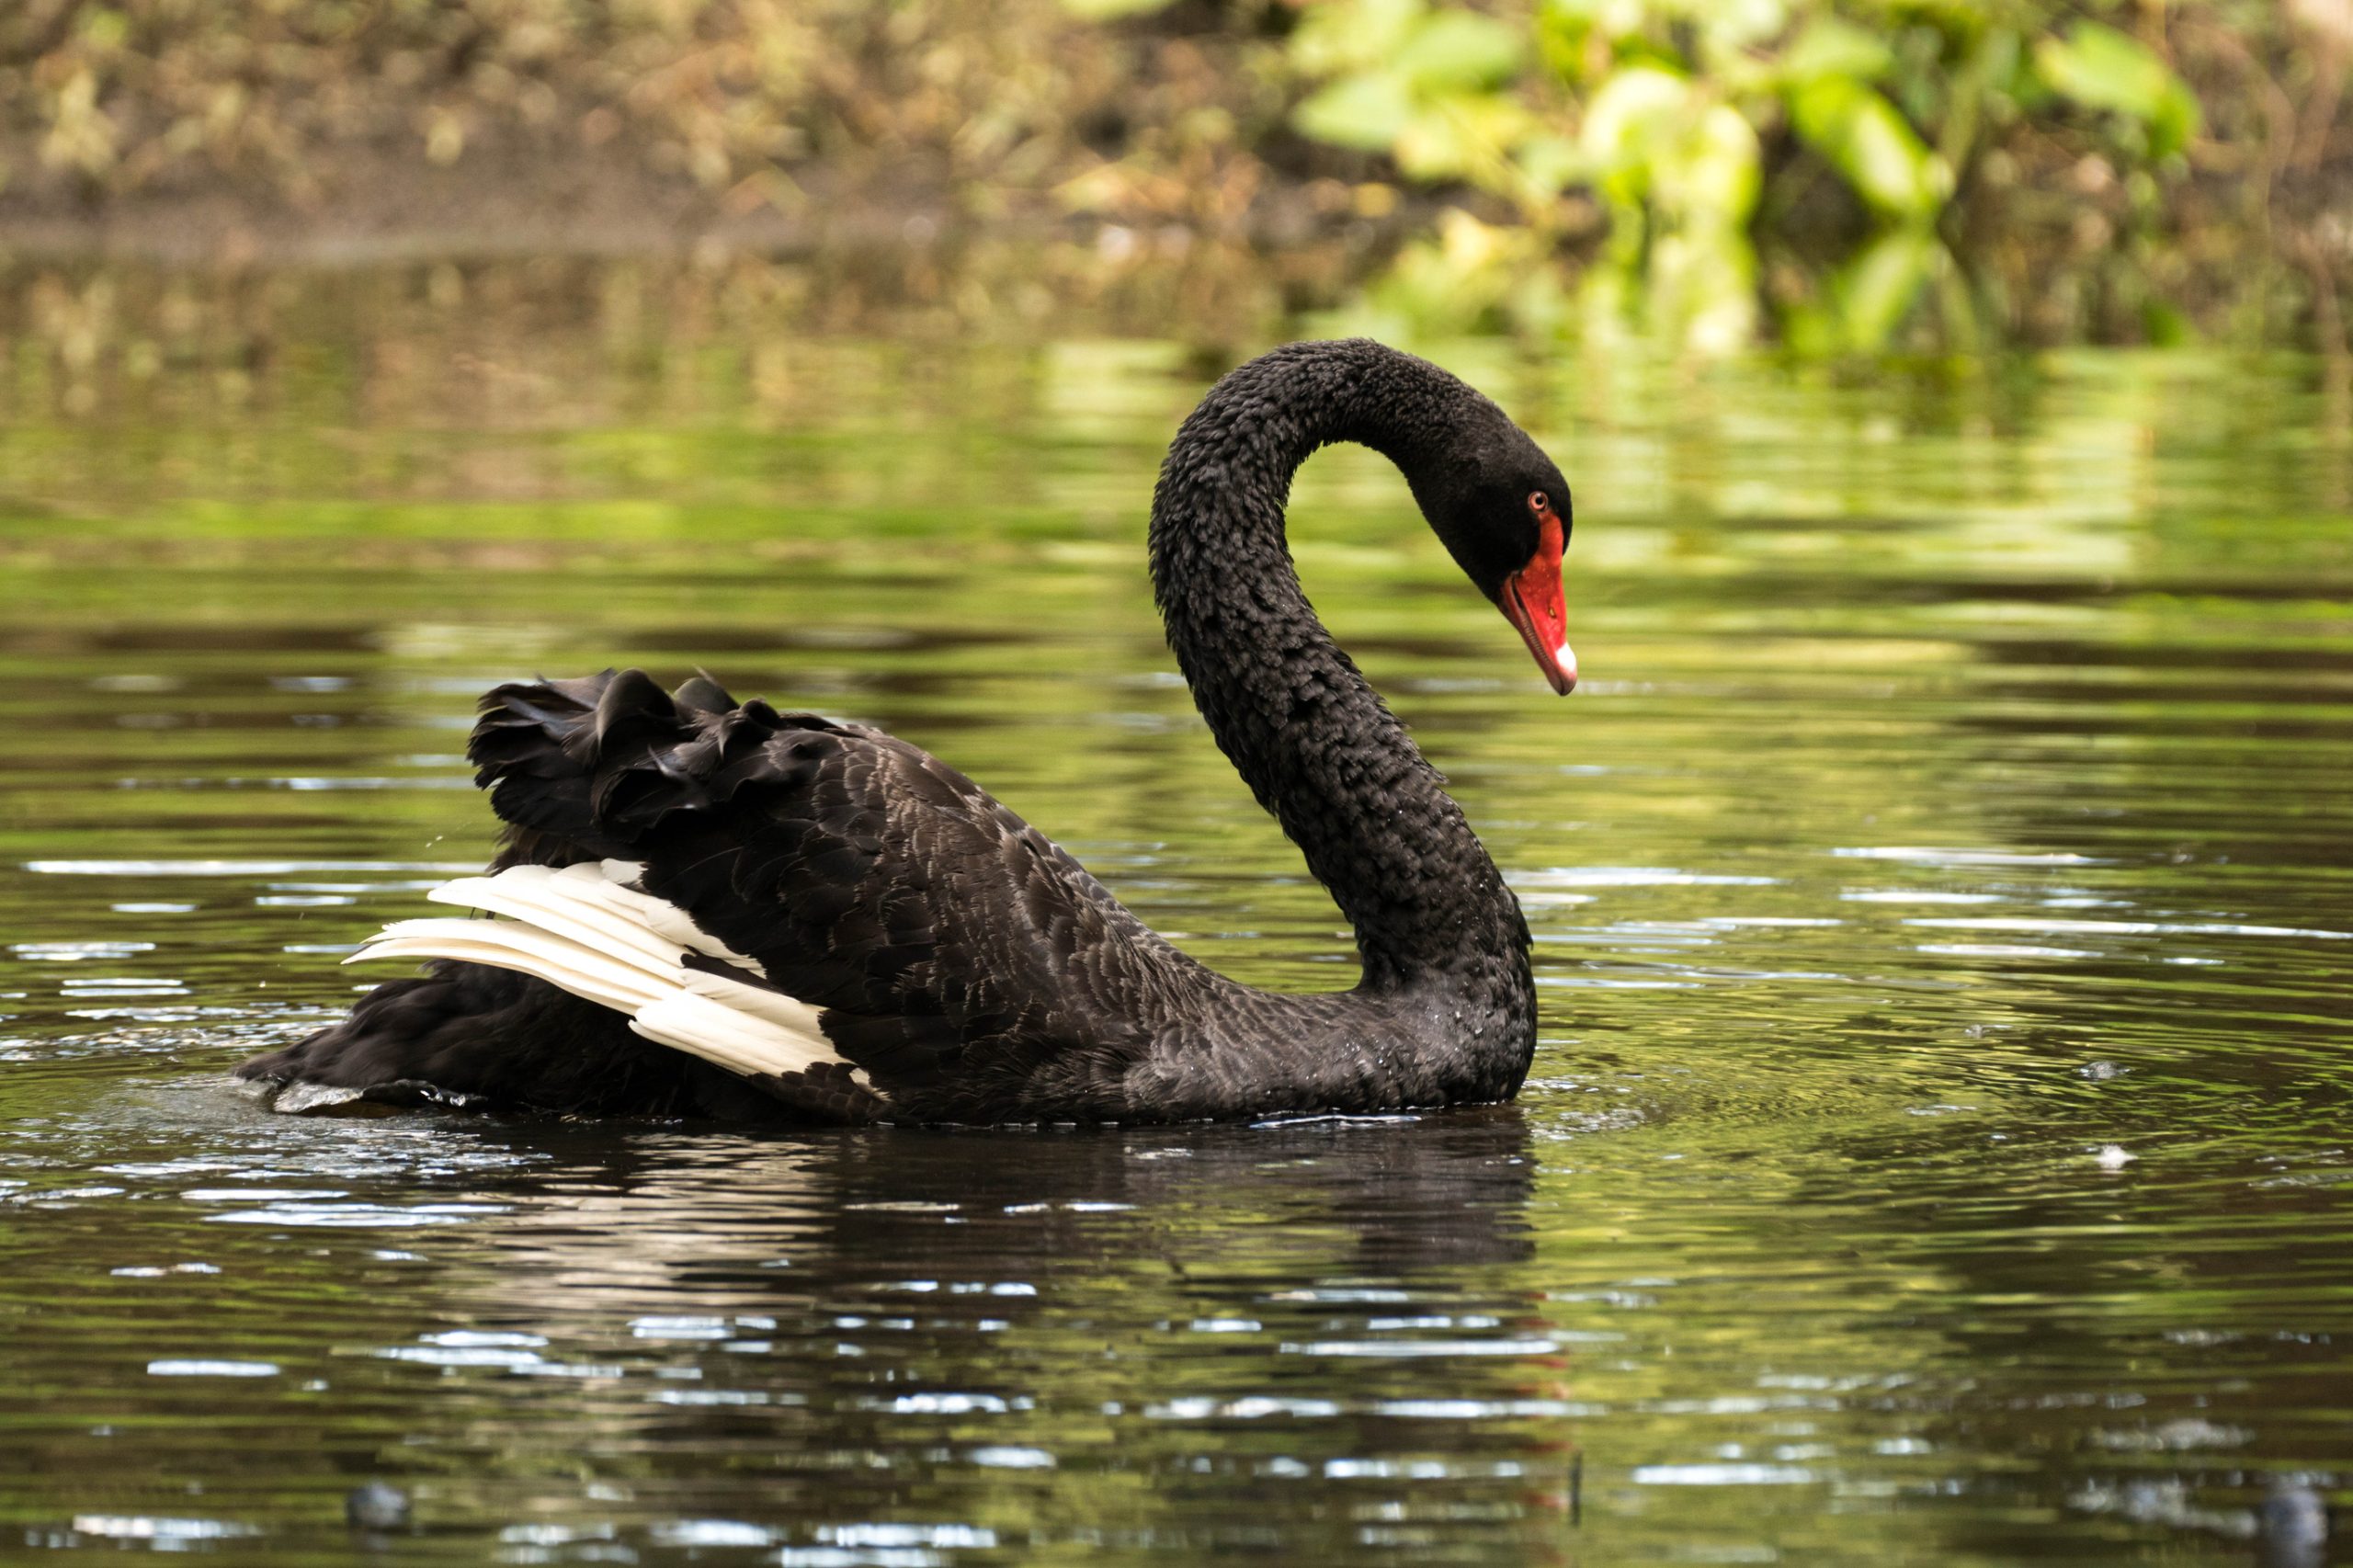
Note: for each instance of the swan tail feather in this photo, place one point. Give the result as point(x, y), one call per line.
point(595, 764)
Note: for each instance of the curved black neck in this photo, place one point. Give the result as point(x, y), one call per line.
point(1314, 742)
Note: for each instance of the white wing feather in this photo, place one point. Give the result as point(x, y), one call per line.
point(582, 929)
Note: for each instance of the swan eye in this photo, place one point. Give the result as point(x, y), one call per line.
point(1538, 502)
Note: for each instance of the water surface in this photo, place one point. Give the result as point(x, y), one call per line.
point(1939, 1148)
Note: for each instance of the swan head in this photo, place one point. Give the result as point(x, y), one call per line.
point(1532, 598)
point(1501, 509)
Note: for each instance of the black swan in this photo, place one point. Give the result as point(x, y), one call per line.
point(711, 908)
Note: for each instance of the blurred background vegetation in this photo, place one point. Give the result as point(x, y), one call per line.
point(1833, 176)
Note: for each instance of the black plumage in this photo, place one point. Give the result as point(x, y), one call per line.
point(967, 968)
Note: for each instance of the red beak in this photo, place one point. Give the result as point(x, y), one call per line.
point(1531, 601)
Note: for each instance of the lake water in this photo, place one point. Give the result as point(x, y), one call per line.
point(1939, 1149)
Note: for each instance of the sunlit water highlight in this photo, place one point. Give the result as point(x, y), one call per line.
point(1939, 1147)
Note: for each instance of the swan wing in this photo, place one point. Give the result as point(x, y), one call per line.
point(953, 955)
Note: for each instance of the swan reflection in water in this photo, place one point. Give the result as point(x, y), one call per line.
point(1171, 1334)
point(661, 1221)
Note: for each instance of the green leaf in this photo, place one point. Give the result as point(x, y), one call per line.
point(2165, 326)
point(1734, 24)
point(1351, 35)
point(1716, 169)
point(1551, 162)
point(2101, 68)
point(1563, 37)
point(1872, 145)
point(1629, 120)
point(1651, 137)
point(1876, 287)
point(1367, 112)
point(2177, 119)
point(1462, 48)
point(1462, 135)
point(1436, 145)
point(1832, 48)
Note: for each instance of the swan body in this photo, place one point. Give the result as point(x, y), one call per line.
point(713, 908)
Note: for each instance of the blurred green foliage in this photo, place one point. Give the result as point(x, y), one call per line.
point(1678, 115)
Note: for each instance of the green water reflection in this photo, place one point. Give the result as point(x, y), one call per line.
point(1938, 1150)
